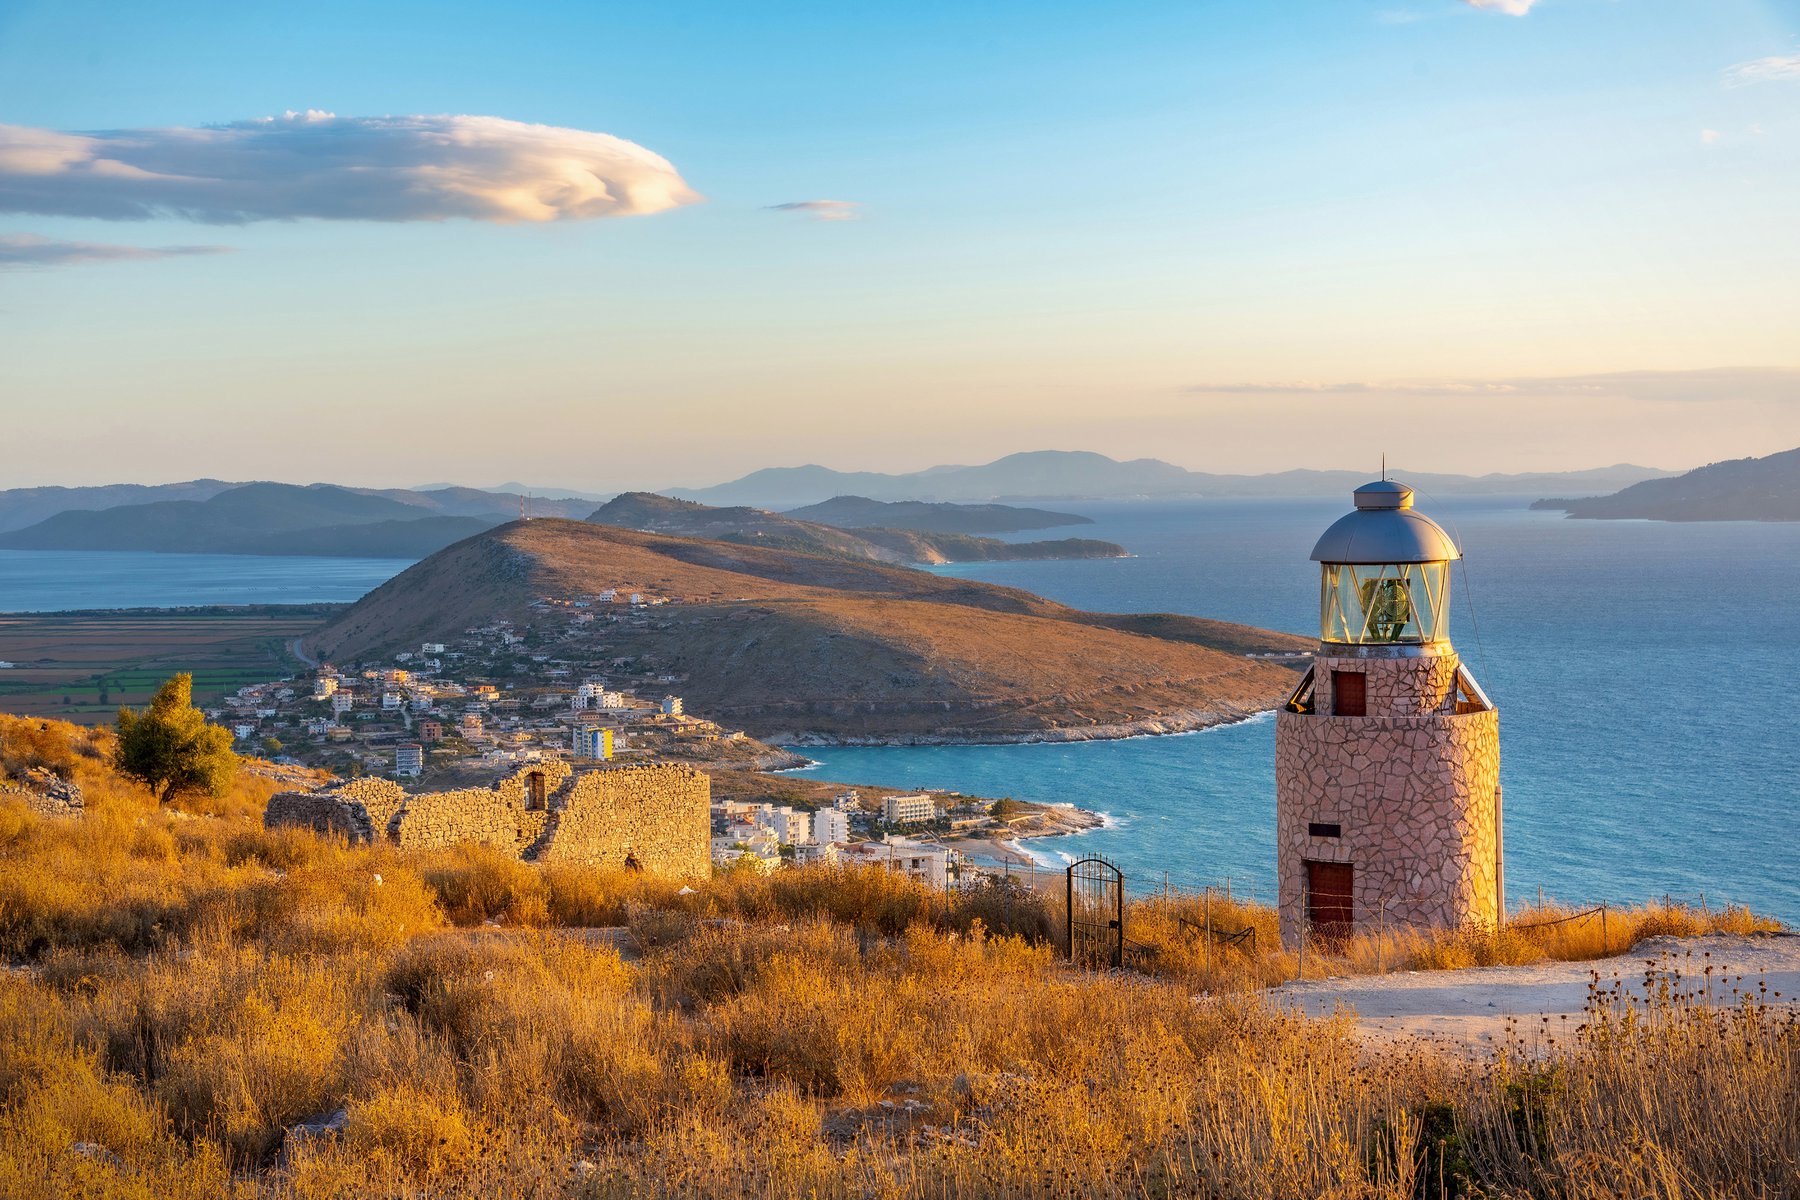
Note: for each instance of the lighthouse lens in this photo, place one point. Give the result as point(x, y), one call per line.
point(1384, 603)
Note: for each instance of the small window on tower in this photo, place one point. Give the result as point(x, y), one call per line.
point(1349, 694)
point(1324, 829)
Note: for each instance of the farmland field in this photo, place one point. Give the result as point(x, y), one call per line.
point(81, 666)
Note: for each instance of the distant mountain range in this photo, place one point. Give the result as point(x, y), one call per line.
point(649, 513)
point(1082, 475)
point(275, 518)
point(1744, 489)
point(21, 508)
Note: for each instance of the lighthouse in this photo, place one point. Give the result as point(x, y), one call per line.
point(1387, 756)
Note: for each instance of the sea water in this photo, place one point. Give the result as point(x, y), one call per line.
point(1647, 676)
point(59, 580)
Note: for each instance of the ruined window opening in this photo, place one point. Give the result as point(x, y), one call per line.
point(1349, 694)
point(1325, 829)
point(536, 794)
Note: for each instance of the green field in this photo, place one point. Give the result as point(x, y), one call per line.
point(81, 666)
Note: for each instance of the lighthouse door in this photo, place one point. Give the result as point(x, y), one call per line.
point(1330, 898)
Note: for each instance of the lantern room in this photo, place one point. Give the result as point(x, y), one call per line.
point(1384, 573)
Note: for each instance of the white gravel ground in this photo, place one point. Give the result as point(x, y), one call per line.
point(1477, 1009)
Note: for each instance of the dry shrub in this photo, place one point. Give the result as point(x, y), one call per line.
point(476, 883)
point(408, 1131)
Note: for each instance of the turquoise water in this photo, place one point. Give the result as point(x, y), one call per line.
point(55, 580)
point(1645, 675)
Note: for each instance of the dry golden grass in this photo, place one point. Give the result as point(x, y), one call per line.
point(182, 989)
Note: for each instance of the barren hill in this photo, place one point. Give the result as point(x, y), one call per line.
point(808, 646)
point(1743, 489)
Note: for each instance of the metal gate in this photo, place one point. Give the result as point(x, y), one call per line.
point(1096, 895)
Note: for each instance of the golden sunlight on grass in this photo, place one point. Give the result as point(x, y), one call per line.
point(183, 988)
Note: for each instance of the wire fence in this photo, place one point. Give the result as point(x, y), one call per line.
point(1213, 917)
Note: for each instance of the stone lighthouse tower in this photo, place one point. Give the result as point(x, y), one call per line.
point(1387, 756)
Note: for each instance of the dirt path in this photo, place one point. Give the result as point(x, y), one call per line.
point(1469, 1010)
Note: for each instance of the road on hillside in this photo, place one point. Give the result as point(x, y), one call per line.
point(299, 652)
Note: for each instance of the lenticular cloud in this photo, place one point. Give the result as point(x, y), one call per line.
point(315, 164)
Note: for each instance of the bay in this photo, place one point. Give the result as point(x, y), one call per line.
point(59, 580)
point(1643, 671)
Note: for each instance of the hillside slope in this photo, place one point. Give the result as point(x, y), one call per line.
point(1744, 489)
point(801, 646)
point(648, 512)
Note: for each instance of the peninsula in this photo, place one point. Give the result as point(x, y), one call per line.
point(1743, 489)
point(808, 648)
point(651, 513)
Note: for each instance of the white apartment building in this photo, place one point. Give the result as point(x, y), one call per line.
point(342, 702)
point(830, 825)
point(409, 759)
point(325, 687)
point(930, 864)
point(908, 810)
point(791, 827)
point(671, 706)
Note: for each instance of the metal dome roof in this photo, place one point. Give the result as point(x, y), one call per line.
point(1385, 529)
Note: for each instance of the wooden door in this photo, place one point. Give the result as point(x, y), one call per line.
point(1349, 694)
point(1331, 898)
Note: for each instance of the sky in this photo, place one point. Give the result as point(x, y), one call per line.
point(608, 246)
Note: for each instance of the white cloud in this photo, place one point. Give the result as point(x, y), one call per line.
point(1770, 384)
point(1709, 136)
point(315, 164)
point(1514, 8)
point(822, 210)
point(18, 250)
point(1775, 68)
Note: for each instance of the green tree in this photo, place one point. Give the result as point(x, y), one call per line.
point(171, 748)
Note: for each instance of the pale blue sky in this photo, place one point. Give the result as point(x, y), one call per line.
point(1145, 229)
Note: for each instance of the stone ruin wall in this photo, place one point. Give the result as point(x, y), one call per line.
point(1415, 797)
point(657, 816)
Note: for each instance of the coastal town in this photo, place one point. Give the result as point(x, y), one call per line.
point(499, 697)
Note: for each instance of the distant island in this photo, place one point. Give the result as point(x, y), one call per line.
point(860, 512)
point(798, 647)
point(1743, 489)
point(648, 512)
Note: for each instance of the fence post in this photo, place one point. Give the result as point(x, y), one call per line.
point(1380, 935)
point(1209, 978)
point(1300, 970)
point(1604, 946)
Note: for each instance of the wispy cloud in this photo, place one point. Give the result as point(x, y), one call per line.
point(1514, 8)
point(1709, 137)
point(1778, 384)
point(822, 210)
point(315, 164)
point(1775, 68)
point(21, 250)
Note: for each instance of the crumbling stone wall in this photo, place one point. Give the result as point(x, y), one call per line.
point(652, 817)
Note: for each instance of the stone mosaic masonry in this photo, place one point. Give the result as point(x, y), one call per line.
point(1413, 787)
point(654, 818)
